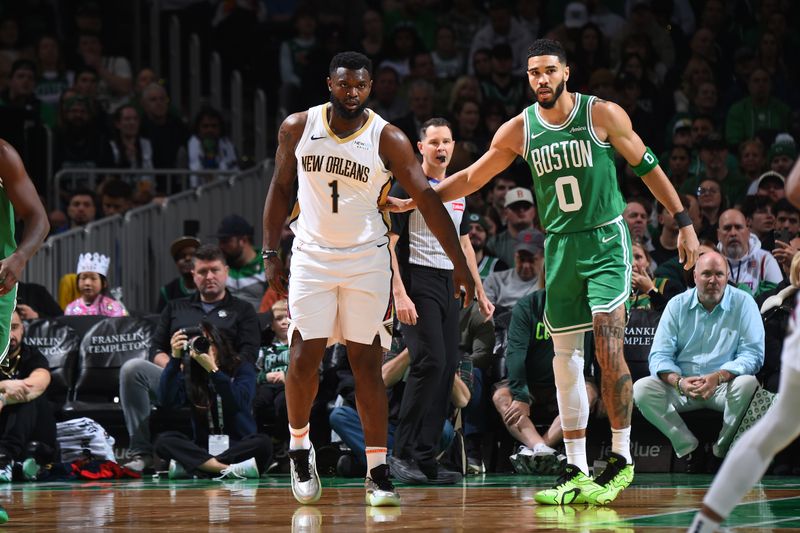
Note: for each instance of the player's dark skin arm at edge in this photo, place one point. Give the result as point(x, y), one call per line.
point(23, 196)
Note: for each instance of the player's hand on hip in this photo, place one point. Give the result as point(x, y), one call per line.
point(398, 205)
point(406, 310)
point(276, 276)
point(687, 247)
point(10, 272)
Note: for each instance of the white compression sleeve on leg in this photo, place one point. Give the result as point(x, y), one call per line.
point(573, 403)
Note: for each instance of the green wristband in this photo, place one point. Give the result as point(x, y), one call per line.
point(648, 163)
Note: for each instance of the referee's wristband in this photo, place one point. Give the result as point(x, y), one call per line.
point(683, 219)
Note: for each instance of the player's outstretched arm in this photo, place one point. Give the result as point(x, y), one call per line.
point(400, 161)
point(506, 145)
point(276, 205)
point(27, 205)
point(612, 122)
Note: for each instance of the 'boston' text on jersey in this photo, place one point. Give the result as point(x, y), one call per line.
point(336, 165)
point(561, 155)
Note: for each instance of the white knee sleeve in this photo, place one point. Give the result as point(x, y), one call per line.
point(573, 404)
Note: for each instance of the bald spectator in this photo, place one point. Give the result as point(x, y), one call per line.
point(749, 267)
point(707, 348)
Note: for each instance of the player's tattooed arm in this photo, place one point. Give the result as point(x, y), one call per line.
point(277, 204)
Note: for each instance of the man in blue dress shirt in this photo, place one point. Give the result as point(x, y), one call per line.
point(707, 348)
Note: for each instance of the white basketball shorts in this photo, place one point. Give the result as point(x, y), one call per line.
point(341, 294)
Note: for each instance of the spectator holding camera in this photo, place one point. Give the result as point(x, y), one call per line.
point(218, 385)
point(139, 379)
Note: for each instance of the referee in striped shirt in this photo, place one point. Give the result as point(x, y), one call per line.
point(422, 287)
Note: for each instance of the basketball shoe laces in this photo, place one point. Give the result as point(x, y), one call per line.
point(300, 462)
point(382, 482)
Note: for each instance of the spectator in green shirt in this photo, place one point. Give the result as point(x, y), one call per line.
point(530, 382)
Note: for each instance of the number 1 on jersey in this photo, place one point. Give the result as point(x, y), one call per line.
point(334, 195)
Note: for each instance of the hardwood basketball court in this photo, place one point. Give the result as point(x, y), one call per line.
point(656, 502)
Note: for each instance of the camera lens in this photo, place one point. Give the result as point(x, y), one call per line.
point(200, 345)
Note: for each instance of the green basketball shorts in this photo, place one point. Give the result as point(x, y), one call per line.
point(586, 272)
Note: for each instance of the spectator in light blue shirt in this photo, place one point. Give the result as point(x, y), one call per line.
point(706, 350)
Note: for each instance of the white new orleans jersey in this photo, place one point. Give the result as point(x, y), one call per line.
point(341, 181)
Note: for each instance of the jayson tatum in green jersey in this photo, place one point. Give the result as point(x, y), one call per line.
point(568, 140)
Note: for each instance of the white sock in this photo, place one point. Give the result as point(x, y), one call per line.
point(621, 443)
point(703, 524)
point(576, 453)
point(543, 448)
point(299, 438)
point(375, 457)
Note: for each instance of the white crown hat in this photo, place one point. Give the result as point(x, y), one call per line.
point(94, 262)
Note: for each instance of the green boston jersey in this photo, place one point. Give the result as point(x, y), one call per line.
point(573, 171)
point(7, 242)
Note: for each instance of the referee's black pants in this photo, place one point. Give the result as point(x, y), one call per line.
point(433, 347)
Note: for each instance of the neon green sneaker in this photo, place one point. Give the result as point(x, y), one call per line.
point(567, 490)
point(614, 479)
point(3, 515)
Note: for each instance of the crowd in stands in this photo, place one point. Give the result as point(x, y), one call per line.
point(707, 85)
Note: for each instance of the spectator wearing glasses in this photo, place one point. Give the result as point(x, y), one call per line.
point(712, 204)
point(749, 267)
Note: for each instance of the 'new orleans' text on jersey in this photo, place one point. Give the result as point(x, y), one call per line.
point(341, 181)
point(336, 165)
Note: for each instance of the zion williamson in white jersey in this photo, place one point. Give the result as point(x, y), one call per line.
point(342, 156)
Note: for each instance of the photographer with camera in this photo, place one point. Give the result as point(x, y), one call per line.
point(139, 379)
point(218, 385)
